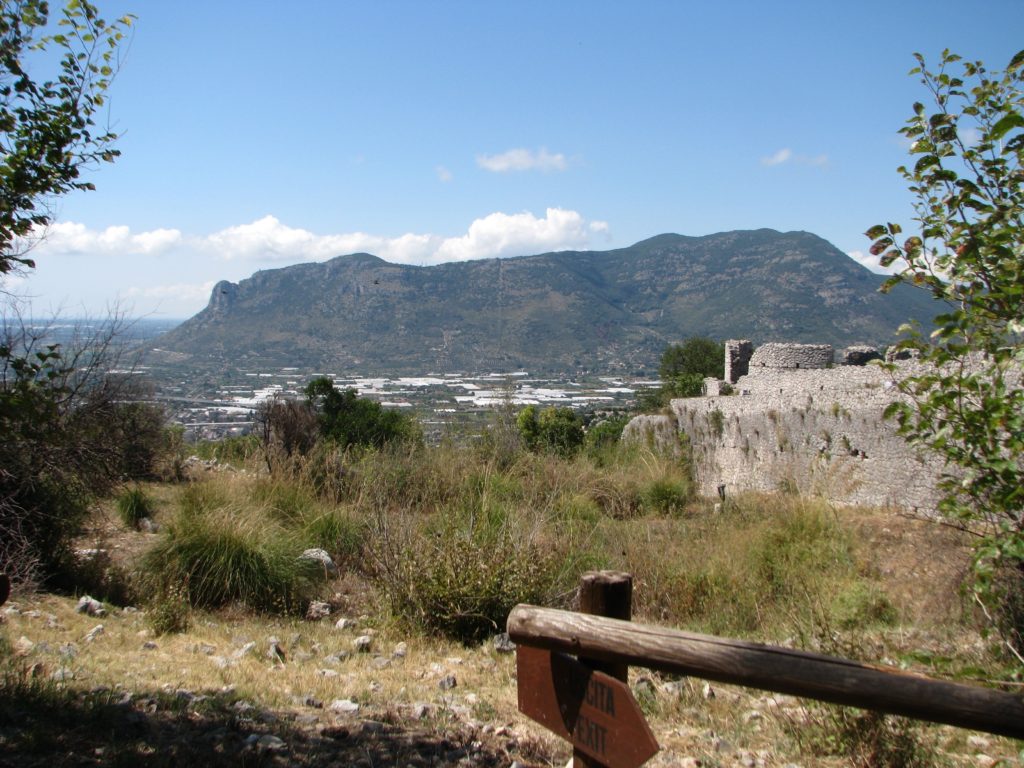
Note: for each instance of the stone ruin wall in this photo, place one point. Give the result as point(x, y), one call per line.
point(793, 356)
point(810, 430)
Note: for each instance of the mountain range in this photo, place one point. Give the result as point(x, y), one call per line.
point(610, 311)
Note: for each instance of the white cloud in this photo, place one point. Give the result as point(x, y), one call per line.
point(443, 174)
point(778, 158)
point(786, 155)
point(502, 234)
point(179, 292)
point(495, 235)
point(268, 240)
point(68, 237)
point(871, 262)
point(523, 160)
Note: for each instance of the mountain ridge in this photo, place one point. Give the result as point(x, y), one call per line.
point(565, 310)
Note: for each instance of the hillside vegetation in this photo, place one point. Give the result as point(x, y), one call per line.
point(433, 547)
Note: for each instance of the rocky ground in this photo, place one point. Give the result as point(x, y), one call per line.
point(96, 688)
point(87, 683)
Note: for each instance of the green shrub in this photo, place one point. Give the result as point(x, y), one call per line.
point(287, 501)
point(716, 422)
point(133, 504)
point(222, 559)
point(201, 498)
point(237, 450)
point(98, 575)
point(464, 588)
point(751, 569)
point(347, 419)
point(602, 438)
point(863, 605)
point(665, 496)
point(552, 430)
point(339, 535)
point(325, 471)
point(170, 613)
point(866, 739)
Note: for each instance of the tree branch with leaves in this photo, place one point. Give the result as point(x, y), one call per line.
point(48, 126)
point(966, 400)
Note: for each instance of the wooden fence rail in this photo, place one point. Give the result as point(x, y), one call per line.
point(771, 668)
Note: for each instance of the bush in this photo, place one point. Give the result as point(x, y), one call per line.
point(347, 419)
point(552, 430)
point(339, 535)
point(603, 436)
point(866, 739)
point(464, 587)
point(221, 559)
point(286, 501)
point(752, 569)
point(666, 497)
point(287, 430)
point(70, 434)
point(170, 612)
point(237, 450)
point(133, 505)
point(863, 605)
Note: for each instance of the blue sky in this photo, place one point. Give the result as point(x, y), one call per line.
point(261, 134)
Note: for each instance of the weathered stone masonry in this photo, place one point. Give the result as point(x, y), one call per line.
point(795, 424)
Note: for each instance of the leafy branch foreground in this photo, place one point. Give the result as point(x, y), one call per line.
point(967, 402)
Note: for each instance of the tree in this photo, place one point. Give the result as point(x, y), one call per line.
point(286, 428)
point(73, 428)
point(347, 419)
point(48, 131)
point(64, 418)
point(682, 371)
point(697, 355)
point(552, 430)
point(967, 402)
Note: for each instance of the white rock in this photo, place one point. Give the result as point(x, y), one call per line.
point(90, 606)
point(344, 706)
point(270, 743)
point(321, 556)
point(247, 648)
point(362, 644)
point(318, 610)
point(447, 682)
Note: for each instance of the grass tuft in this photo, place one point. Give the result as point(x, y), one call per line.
point(134, 504)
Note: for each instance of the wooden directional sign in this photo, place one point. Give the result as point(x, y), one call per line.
point(597, 713)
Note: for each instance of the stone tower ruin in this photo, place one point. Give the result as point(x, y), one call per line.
point(737, 359)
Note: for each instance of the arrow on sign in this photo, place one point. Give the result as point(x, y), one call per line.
point(594, 711)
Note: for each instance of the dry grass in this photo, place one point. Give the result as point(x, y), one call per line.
point(770, 568)
point(721, 726)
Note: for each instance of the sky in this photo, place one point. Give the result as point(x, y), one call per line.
point(255, 135)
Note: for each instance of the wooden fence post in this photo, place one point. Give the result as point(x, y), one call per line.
point(608, 594)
